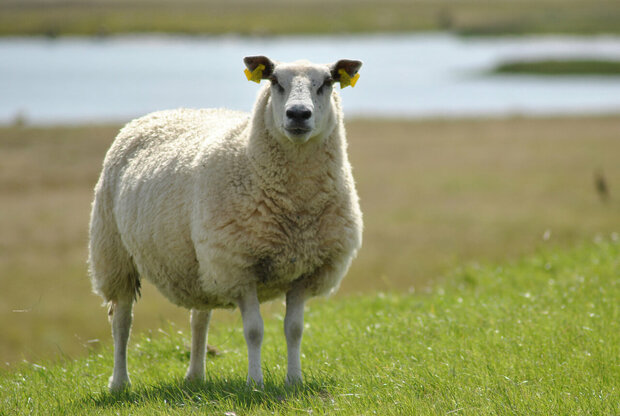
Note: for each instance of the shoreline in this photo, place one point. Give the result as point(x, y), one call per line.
point(354, 119)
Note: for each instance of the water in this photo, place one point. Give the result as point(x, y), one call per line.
point(78, 80)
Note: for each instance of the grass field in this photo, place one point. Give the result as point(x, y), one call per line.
point(539, 336)
point(435, 194)
point(250, 17)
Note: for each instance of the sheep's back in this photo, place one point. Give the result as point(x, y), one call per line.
point(150, 167)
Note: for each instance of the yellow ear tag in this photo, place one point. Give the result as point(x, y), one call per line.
point(255, 75)
point(346, 80)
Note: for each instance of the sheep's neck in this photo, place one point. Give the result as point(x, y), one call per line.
point(297, 178)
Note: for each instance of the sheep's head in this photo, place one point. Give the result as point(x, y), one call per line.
point(301, 93)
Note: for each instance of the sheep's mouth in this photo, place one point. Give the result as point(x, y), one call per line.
point(297, 131)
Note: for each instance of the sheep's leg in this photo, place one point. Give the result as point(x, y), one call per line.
point(293, 330)
point(253, 331)
point(200, 326)
point(122, 316)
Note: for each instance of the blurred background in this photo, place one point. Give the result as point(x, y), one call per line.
point(480, 131)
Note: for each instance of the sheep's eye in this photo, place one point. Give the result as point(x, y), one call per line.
point(325, 86)
point(276, 84)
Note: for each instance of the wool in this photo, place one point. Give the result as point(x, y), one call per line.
point(203, 203)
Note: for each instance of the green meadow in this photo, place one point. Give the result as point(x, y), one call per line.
point(436, 194)
point(488, 281)
point(535, 336)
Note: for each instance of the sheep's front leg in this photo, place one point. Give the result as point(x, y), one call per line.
point(200, 327)
point(122, 317)
point(293, 330)
point(253, 331)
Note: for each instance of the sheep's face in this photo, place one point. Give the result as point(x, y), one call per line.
point(301, 100)
point(301, 95)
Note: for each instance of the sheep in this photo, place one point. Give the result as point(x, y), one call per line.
point(224, 209)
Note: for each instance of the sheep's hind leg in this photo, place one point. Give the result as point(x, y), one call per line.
point(293, 330)
point(122, 316)
point(253, 331)
point(200, 327)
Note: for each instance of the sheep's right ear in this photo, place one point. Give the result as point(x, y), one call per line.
point(258, 67)
point(345, 72)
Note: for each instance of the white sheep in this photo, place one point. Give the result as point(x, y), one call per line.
point(219, 209)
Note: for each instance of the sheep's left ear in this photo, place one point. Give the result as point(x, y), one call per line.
point(345, 72)
point(258, 67)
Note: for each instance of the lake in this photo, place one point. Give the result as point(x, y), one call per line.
point(79, 80)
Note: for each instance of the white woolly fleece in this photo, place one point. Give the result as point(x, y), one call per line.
point(204, 203)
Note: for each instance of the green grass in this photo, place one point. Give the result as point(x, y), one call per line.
point(435, 194)
point(276, 17)
point(536, 336)
point(563, 67)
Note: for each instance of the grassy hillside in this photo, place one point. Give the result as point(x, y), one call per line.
point(536, 336)
point(435, 194)
point(470, 17)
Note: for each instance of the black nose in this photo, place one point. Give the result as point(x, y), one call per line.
point(298, 113)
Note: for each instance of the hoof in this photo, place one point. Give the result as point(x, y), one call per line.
point(258, 384)
point(194, 377)
point(293, 381)
point(119, 385)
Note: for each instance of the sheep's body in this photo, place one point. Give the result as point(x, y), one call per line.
point(201, 223)
point(209, 206)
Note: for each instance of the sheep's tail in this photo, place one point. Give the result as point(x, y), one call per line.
point(113, 273)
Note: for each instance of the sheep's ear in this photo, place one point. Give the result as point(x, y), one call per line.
point(345, 72)
point(258, 67)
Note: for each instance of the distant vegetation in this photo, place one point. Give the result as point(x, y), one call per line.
point(274, 17)
point(561, 67)
point(540, 336)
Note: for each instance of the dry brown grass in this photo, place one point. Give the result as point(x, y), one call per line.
point(437, 193)
point(434, 194)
